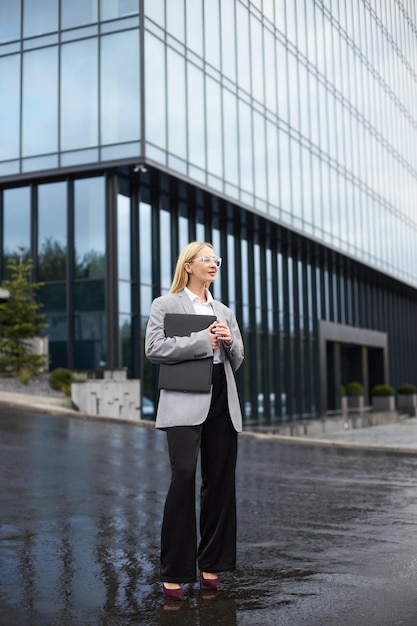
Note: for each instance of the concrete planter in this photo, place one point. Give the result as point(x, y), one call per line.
point(383, 403)
point(356, 402)
point(344, 404)
point(407, 403)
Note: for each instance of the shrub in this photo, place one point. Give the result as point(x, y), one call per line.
point(61, 379)
point(382, 390)
point(355, 389)
point(407, 389)
point(342, 390)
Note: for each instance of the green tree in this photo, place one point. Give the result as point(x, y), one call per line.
point(20, 321)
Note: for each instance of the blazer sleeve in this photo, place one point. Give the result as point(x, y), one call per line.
point(162, 349)
point(234, 351)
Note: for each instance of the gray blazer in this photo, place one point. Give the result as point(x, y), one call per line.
point(179, 408)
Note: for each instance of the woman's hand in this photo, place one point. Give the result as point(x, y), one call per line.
point(219, 332)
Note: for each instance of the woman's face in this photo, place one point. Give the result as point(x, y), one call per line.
point(203, 267)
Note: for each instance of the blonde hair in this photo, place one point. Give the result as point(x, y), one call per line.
point(187, 254)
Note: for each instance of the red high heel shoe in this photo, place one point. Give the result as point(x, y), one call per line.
point(210, 583)
point(173, 594)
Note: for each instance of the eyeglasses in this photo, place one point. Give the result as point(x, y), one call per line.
point(208, 260)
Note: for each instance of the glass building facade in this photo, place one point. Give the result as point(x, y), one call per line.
point(284, 132)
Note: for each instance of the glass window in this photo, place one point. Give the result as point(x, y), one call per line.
point(79, 95)
point(90, 350)
point(119, 88)
point(228, 39)
point(194, 17)
point(195, 119)
point(52, 231)
point(125, 296)
point(155, 9)
point(282, 81)
point(214, 124)
point(89, 228)
point(243, 47)
point(57, 340)
point(177, 124)
point(125, 342)
point(111, 9)
point(294, 97)
point(123, 237)
point(165, 244)
point(155, 91)
point(259, 154)
point(231, 173)
point(54, 298)
point(280, 15)
point(270, 72)
point(245, 147)
point(175, 19)
point(272, 160)
point(9, 21)
point(212, 33)
point(296, 180)
point(78, 12)
point(231, 269)
point(16, 221)
point(307, 186)
point(89, 295)
point(145, 237)
point(10, 107)
point(40, 101)
point(285, 171)
point(256, 47)
point(39, 17)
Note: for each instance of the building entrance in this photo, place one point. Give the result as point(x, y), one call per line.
point(350, 354)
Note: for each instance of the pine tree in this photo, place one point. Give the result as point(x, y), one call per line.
point(20, 321)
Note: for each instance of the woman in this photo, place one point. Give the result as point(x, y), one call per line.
point(194, 422)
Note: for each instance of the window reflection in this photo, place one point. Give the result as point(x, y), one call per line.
point(214, 123)
point(89, 228)
point(194, 25)
point(39, 17)
point(231, 173)
point(195, 119)
point(40, 101)
point(228, 38)
point(243, 47)
point(125, 343)
point(245, 147)
point(9, 106)
point(175, 19)
point(123, 236)
point(16, 222)
point(145, 237)
point(111, 9)
point(212, 33)
point(165, 244)
point(57, 340)
point(90, 341)
point(52, 231)
point(78, 12)
point(257, 60)
point(9, 21)
point(155, 91)
point(119, 87)
point(177, 124)
point(79, 95)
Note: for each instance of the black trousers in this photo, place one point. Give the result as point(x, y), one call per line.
point(216, 438)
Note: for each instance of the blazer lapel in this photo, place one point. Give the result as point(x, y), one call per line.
point(185, 302)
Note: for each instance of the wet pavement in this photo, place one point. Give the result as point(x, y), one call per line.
point(326, 535)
